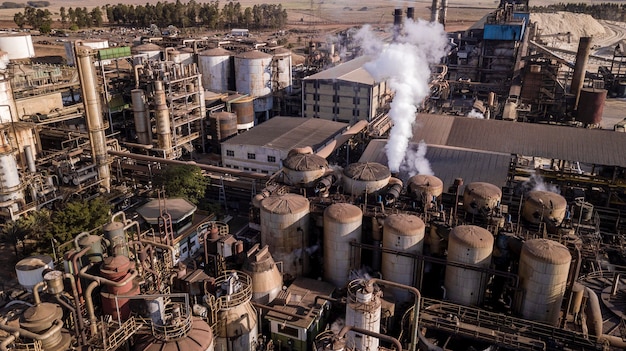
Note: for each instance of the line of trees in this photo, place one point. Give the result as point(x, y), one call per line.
point(604, 11)
point(75, 18)
point(192, 14)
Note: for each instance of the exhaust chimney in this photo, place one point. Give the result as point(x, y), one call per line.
point(397, 17)
point(444, 12)
point(410, 12)
point(434, 11)
point(93, 112)
point(580, 67)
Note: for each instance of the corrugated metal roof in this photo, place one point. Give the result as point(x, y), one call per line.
point(449, 163)
point(593, 146)
point(286, 133)
point(351, 71)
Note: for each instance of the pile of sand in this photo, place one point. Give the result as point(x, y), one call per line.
point(578, 24)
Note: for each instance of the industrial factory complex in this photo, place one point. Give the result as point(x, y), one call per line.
point(399, 188)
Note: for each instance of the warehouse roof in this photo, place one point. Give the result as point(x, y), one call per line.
point(592, 146)
point(351, 71)
point(286, 133)
point(448, 163)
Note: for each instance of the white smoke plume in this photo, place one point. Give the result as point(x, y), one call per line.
point(415, 161)
point(475, 114)
point(405, 65)
point(536, 182)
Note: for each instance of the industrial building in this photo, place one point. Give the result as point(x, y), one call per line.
point(514, 240)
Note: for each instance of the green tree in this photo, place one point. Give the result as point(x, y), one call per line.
point(63, 14)
point(19, 19)
point(96, 16)
point(183, 181)
point(78, 217)
point(15, 233)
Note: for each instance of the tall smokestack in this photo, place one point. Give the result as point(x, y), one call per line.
point(444, 12)
point(580, 67)
point(397, 22)
point(410, 12)
point(434, 11)
point(163, 126)
point(93, 112)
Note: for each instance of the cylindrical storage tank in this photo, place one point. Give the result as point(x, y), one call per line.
point(304, 169)
point(578, 291)
point(30, 270)
point(223, 125)
point(186, 56)
point(117, 269)
point(544, 206)
point(142, 123)
point(543, 270)
point(238, 331)
point(467, 245)
point(365, 177)
point(173, 55)
point(253, 76)
point(39, 319)
point(243, 107)
point(116, 238)
point(282, 68)
point(163, 123)
point(17, 45)
point(403, 233)
point(149, 52)
point(199, 337)
point(425, 188)
point(217, 69)
point(11, 188)
point(54, 282)
point(481, 198)
point(591, 105)
point(285, 229)
point(4, 59)
point(9, 111)
point(342, 225)
point(363, 310)
point(267, 281)
point(95, 252)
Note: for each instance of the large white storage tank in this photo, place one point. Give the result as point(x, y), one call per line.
point(365, 177)
point(468, 245)
point(342, 225)
point(17, 45)
point(216, 68)
point(544, 206)
point(267, 281)
point(148, 51)
point(285, 229)
point(8, 108)
point(363, 310)
point(30, 270)
point(543, 270)
point(282, 70)
point(403, 233)
point(253, 76)
point(481, 198)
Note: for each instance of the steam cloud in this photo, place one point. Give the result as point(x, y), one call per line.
point(415, 161)
point(405, 65)
point(475, 114)
point(536, 182)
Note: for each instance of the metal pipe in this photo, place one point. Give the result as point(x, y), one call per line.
point(91, 314)
point(615, 284)
point(105, 281)
point(72, 310)
point(416, 307)
point(36, 296)
point(81, 322)
point(391, 339)
point(56, 327)
point(341, 139)
point(580, 67)
point(75, 258)
point(77, 238)
point(434, 11)
point(4, 345)
point(162, 246)
point(136, 69)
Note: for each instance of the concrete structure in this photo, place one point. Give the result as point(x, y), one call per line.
point(363, 310)
point(17, 45)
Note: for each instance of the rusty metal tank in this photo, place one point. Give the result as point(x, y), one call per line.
point(222, 125)
point(481, 198)
point(216, 66)
point(285, 229)
point(365, 177)
point(40, 318)
point(116, 238)
point(424, 188)
point(281, 62)
point(117, 268)
point(544, 206)
point(591, 105)
point(304, 169)
point(96, 250)
point(267, 281)
point(253, 76)
point(342, 225)
point(199, 337)
point(243, 107)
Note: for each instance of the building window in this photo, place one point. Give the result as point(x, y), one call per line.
point(251, 156)
point(316, 97)
point(287, 330)
point(265, 172)
point(316, 108)
point(355, 113)
point(236, 167)
point(230, 153)
point(246, 169)
point(356, 100)
point(271, 158)
point(335, 110)
point(335, 98)
point(253, 169)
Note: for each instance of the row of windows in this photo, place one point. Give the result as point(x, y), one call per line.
point(336, 86)
point(248, 169)
point(251, 156)
point(336, 110)
point(337, 98)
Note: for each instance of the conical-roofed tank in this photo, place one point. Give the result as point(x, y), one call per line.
point(304, 169)
point(266, 278)
point(117, 268)
point(285, 229)
point(216, 66)
point(544, 206)
point(543, 270)
point(151, 52)
point(481, 198)
point(363, 310)
point(366, 177)
point(468, 245)
point(425, 188)
point(403, 233)
point(237, 329)
point(342, 225)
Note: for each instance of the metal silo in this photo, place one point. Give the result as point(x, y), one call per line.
point(116, 238)
point(216, 66)
point(243, 107)
point(544, 207)
point(147, 51)
point(285, 229)
point(11, 187)
point(267, 280)
point(253, 76)
point(236, 328)
point(342, 225)
point(403, 233)
point(425, 188)
point(117, 269)
point(543, 270)
point(467, 245)
point(282, 78)
point(304, 169)
point(365, 177)
point(8, 109)
point(30, 270)
point(223, 125)
point(363, 310)
point(481, 198)
point(141, 117)
point(591, 105)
